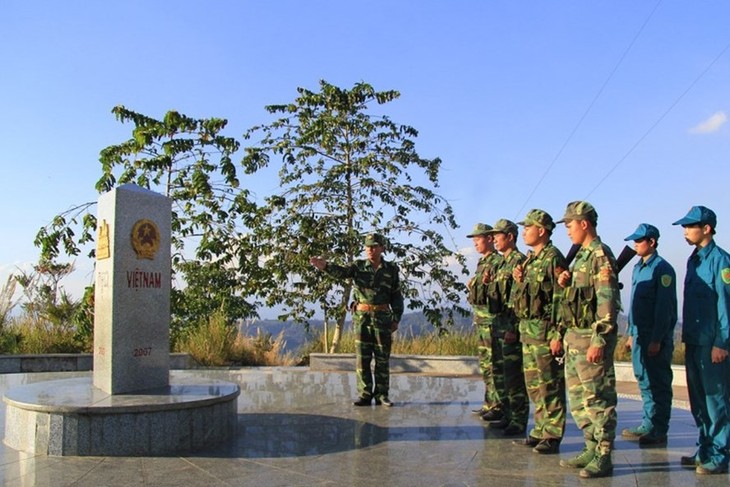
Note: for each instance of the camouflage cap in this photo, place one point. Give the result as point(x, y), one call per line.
point(539, 218)
point(374, 240)
point(644, 230)
point(579, 210)
point(480, 229)
point(698, 214)
point(504, 226)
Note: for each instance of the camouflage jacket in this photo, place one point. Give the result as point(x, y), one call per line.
point(592, 300)
point(372, 286)
point(477, 288)
point(499, 291)
point(536, 300)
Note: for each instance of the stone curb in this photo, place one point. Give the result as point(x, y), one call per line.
point(450, 365)
point(70, 362)
point(423, 364)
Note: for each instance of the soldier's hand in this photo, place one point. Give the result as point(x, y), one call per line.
point(318, 262)
point(518, 273)
point(718, 355)
point(486, 278)
point(556, 347)
point(394, 326)
point(594, 354)
point(510, 337)
point(564, 278)
point(629, 342)
point(653, 349)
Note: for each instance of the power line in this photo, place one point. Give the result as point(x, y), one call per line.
point(663, 115)
point(588, 109)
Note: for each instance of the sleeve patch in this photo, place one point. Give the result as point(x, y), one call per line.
point(725, 273)
point(666, 280)
point(605, 273)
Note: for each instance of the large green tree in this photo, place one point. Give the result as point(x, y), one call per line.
point(346, 171)
point(190, 161)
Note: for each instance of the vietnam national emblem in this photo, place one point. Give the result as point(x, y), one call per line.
point(145, 239)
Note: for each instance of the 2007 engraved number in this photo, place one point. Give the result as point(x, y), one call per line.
point(142, 352)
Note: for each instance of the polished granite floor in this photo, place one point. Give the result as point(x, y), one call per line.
point(298, 428)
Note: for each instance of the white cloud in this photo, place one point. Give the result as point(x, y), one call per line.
point(710, 125)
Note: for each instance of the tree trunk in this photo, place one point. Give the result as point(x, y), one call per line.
point(341, 320)
point(326, 335)
point(336, 337)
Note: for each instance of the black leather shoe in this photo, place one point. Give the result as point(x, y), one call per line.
point(493, 415)
point(384, 401)
point(363, 401)
point(689, 461)
point(530, 441)
point(513, 430)
point(500, 425)
point(652, 440)
point(548, 446)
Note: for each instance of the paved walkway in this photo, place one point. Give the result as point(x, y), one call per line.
point(298, 428)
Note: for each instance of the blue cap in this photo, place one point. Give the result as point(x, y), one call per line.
point(644, 230)
point(698, 214)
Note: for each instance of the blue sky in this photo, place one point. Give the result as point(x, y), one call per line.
point(530, 104)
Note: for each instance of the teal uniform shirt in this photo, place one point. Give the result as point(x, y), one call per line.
point(706, 310)
point(653, 312)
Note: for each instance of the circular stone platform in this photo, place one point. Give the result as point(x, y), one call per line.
point(72, 417)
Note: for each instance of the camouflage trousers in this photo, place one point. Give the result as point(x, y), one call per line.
point(491, 399)
point(502, 370)
point(373, 342)
point(591, 389)
point(545, 381)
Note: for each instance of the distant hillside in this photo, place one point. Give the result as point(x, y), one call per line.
point(296, 335)
point(412, 324)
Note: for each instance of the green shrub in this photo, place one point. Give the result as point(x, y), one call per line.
point(28, 335)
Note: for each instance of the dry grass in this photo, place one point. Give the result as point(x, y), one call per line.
point(216, 342)
point(452, 343)
point(7, 301)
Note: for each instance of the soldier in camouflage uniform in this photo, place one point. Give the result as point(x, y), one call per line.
point(491, 409)
point(588, 313)
point(377, 310)
point(536, 300)
point(506, 349)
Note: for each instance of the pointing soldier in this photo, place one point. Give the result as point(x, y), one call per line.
point(377, 311)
